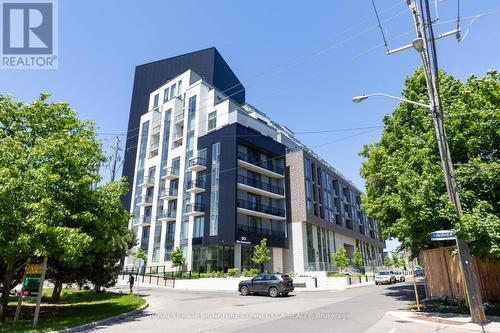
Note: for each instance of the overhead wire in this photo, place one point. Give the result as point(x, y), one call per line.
point(301, 60)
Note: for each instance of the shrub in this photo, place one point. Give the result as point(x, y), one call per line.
point(251, 272)
point(291, 274)
point(232, 272)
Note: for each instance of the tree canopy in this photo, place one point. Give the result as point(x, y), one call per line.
point(49, 205)
point(405, 188)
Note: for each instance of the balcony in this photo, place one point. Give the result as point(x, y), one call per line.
point(177, 138)
point(263, 167)
point(147, 182)
point(169, 194)
point(154, 146)
point(242, 228)
point(196, 186)
point(197, 164)
point(168, 216)
point(179, 118)
point(145, 200)
point(141, 220)
point(259, 210)
point(171, 173)
point(155, 130)
point(260, 188)
point(196, 209)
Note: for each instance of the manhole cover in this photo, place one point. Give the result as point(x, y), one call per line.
point(403, 321)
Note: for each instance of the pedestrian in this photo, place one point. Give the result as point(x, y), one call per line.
point(131, 282)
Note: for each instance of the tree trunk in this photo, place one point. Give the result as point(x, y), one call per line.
point(6, 289)
point(97, 288)
point(262, 268)
point(56, 293)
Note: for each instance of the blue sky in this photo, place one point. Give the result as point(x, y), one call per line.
point(300, 61)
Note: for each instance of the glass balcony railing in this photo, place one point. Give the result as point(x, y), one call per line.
point(155, 145)
point(147, 181)
point(266, 164)
point(197, 161)
point(260, 207)
point(167, 214)
point(145, 199)
point(195, 207)
point(196, 183)
point(261, 185)
point(260, 231)
point(169, 192)
point(172, 172)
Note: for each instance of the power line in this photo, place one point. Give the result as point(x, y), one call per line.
point(380, 26)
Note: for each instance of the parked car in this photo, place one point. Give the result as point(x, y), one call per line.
point(400, 277)
point(419, 271)
point(271, 284)
point(16, 290)
point(385, 277)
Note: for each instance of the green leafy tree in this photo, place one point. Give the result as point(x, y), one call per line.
point(47, 158)
point(141, 254)
point(388, 262)
point(261, 254)
point(111, 240)
point(340, 258)
point(357, 259)
point(178, 259)
point(406, 190)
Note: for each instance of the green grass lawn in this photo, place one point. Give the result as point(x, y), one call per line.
point(75, 308)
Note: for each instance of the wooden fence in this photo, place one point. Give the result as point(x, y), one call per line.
point(443, 277)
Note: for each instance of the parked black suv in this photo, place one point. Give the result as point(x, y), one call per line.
point(271, 284)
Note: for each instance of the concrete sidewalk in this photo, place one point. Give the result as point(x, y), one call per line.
point(452, 320)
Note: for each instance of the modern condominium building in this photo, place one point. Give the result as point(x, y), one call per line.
point(213, 176)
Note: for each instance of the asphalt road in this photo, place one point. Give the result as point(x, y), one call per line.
point(360, 309)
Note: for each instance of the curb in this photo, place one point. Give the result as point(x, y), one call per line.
point(94, 324)
point(492, 326)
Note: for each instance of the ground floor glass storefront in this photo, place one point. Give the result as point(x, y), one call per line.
point(213, 258)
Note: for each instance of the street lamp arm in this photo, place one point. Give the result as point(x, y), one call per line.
point(361, 98)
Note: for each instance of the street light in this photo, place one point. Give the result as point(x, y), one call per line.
point(361, 98)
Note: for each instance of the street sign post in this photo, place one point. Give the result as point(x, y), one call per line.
point(443, 235)
point(138, 263)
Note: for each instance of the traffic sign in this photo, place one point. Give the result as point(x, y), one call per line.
point(442, 235)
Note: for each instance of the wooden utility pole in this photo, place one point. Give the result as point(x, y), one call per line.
point(425, 43)
point(115, 158)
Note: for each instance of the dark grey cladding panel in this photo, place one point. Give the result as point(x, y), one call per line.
point(207, 63)
point(229, 137)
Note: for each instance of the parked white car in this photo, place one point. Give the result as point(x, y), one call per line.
point(400, 277)
point(385, 277)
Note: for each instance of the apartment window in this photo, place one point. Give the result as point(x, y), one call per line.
point(212, 120)
point(255, 224)
point(176, 164)
point(165, 95)
point(198, 227)
point(156, 243)
point(185, 229)
point(155, 101)
point(214, 190)
point(192, 104)
point(179, 87)
point(173, 91)
point(145, 238)
point(311, 255)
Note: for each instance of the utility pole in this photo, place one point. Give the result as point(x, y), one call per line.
point(115, 158)
point(425, 45)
